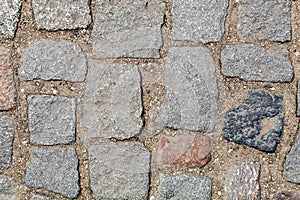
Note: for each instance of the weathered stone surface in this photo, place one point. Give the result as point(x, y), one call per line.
point(292, 162)
point(119, 170)
point(62, 14)
point(7, 189)
point(199, 20)
point(298, 99)
point(286, 195)
point(264, 20)
point(39, 197)
point(257, 122)
point(112, 102)
point(6, 141)
point(191, 90)
point(243, 182)
point(251, 62)
point(128, 29)
point(184, 187)
point(51, 119)
point(55, 170)
point(50, 60)
point(7, 85)
point(9, 17)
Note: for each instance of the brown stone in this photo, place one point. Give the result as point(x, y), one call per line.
point(286, 195)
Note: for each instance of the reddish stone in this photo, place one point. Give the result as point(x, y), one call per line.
point(286, 195)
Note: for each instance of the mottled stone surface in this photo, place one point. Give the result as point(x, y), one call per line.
point(7, 85)
point(112, 106)
point(251, 62)
point(298, 99)
point(50, 60)
point(61, 14)
point(199, 20)
point(128, 29)
point(6, 141)
point(39, 197)
point(243, 182)
point(265, 20)
point(184, 187)
point(287, 195)
point(51, 119)
point(7, 188)
point(54, 169)
point(191, 90)
point(257, 122)
point(9, 17)
point(119, 170)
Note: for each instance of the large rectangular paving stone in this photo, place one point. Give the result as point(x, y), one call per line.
point(7, 188)
point(128, 29)
point(9, 17)
point(6, 141)
point(119, 170)
point(112, 105)
point(199, 20)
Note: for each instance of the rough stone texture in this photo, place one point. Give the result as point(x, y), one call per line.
point(112, 102)
point(286, 195)
point(243, 182)
point(7, 85)
point(199, 20)
point(298, 99)
point(191, 90)
point(264, 20)
point(251, 62)
point(128, 29)
point(55, 170)
point(257, 122)
point(7, 189)
point(61, 14)
point(184, 187)
point(9, 17)
point(51, 119)
point(50, 60)
point(39, 197)
point(292, 162)
point(185, 150)
point(6, 141)
point(119, 170)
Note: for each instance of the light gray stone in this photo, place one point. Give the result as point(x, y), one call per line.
point(251, 62)
point(112, 105)
point(265, 20)
point(184, 187)
point(119, 170)
point(199, 20)
point(50, 60)
point(7, 189)
point(6, 141)
point(191, 90)
point(128, 29)
point(9, 17)
point(61, 14)
point(55, 170)
point(51, 119)
point(39, 197)
point(298, 99)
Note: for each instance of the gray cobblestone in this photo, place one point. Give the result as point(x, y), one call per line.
point(9, 17)
point(6, 141)
point(7, 188)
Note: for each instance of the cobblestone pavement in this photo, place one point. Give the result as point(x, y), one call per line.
point(157, 99)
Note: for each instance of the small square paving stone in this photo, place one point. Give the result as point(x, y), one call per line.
point(265, 20)
point(251, 62)
point(7, 188)
point(51, 119)
point(6, 141)
point(54, 169)
point(50, 60)
point(9, 17)
point(199, 20)
point(61, 14)
point(119, 170)
point(128, 29)
point(184, 187)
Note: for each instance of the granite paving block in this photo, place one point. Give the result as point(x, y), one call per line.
point(251, 62)
point(128, 29)
point(112, 106)
point(257, 122)
point(50, 60)
point(184, 187)
point(265, 20)
point(199, 20)
point(119, 170)
point(7, 188)
point(6, 141)
point(191, 90)
point(54, 169)
point(9, 17)
point(61, 14)
point(243, 182)
point(52, 119)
